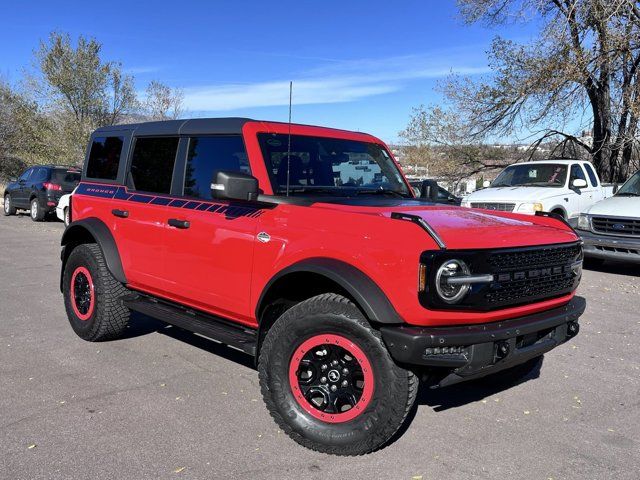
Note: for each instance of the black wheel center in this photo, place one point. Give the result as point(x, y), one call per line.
point(82, 293)
point(331, 379)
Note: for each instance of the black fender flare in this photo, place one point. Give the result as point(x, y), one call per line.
point(77, 233)
point(365, 292)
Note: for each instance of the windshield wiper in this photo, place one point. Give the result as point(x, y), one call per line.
point(380, 191)
point(310, 189)
point(501, 184)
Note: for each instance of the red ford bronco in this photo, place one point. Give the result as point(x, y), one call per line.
point(306, 248)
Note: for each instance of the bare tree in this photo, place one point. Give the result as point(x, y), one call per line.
point(582, 66)
point(440, 140)
point(163, 102)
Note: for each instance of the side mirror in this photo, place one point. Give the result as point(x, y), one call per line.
point(579, 183)
point(429, 190)
point(234, 186)
point(486, 184)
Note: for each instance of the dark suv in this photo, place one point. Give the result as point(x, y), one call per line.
point(39, 189)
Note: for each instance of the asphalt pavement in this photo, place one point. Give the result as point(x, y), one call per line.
point(167, 404)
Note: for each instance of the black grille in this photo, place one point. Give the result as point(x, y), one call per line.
point(520, 275)
point(533, 258)
point(502, 207)
point(616, 226)
point(516, 291)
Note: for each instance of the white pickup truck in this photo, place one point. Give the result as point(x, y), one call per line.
point(564, 187)
point(610, 229)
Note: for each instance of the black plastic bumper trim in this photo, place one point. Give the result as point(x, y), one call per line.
point(409, 344)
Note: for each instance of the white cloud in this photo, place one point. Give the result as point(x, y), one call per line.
point(342, 82)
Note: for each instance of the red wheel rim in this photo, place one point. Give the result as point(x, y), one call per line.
point(331, 378)
point(82, 293)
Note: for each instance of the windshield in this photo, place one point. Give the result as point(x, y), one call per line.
point(532, 175)
point(330, 166)
point(631, 187)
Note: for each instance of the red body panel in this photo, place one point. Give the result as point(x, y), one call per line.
point(217, 265)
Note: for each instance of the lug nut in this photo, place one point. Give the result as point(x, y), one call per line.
point(324, 366)
point(333, 388)
point(323, 380)
point(345, 383)
point(345, 371)
point(334, 363)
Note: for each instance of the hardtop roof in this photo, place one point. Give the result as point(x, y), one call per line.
point(195, 126)
point(230, 125)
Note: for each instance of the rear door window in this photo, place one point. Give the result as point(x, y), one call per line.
point(152, 164)
point(40, 175)
point(209, 155)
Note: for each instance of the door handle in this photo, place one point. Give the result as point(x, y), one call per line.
point(174, 222)
point(120, 213)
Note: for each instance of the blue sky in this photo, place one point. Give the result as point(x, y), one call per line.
point(359, 65)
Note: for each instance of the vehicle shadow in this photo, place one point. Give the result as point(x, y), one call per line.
point(614, 267)
point(140, 325)
point(468, 392)
point(442, 399)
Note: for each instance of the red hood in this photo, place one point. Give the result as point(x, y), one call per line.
point(464, 228)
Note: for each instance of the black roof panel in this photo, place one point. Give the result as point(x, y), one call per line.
point(230, 125)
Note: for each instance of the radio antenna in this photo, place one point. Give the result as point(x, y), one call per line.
point(289, 139)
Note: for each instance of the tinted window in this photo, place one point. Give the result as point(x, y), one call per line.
point(152, 164)
point(576, 172)
point(592, 174)
point(40, 175)
point(104, 158)
point(207, 156)
point(65, 177)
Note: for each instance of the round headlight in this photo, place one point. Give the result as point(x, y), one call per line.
point(451, 293)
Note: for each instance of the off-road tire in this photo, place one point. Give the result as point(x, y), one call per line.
point(108, 318)
point(8, 208)
point(394, 393)
point(36, 213)
point(515, 374)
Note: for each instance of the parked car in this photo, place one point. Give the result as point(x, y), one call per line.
point(611, 228)
point(563, 187)
point(421, 189)
point(39, 190)
point(63, 211)
point(344, 288)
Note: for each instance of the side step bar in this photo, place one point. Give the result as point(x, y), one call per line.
point(210, 326)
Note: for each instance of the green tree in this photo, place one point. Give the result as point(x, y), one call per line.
point(81, 90)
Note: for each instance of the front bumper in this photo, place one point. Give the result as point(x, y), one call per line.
point(467, 352)
point(610, 247)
